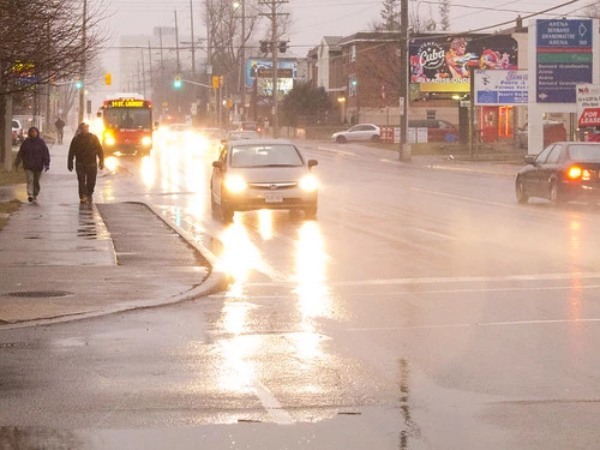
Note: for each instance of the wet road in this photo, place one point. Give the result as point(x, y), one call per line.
point(424, 309)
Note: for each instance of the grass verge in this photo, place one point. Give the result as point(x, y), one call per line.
point(12, 177)
point(6, 209)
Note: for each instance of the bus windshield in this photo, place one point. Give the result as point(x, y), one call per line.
point(118, 118)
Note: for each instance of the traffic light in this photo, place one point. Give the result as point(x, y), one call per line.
point(177, 82)
point(78, 84)
point(215, 81)
point(264, 46)
point(283, 46)
point(108, 78)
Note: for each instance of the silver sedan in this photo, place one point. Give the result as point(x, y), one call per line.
point(262, 174)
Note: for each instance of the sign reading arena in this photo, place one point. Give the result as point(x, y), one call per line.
point(564, 58)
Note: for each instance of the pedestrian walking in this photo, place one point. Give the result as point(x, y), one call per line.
point(60, 128)
point(35, 157)
point(87, 152)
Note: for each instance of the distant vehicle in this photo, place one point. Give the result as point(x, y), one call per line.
point(237, 135)
point(562, 172)
point(262, 174)
point(249, 125)
point(18, 134)
point(360, 132)
point(554, 131)
point(438, 130)
point(127, 125)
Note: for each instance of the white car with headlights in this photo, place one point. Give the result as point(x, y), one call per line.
point(257, 174)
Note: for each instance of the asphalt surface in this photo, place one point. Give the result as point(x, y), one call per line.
point(64, 261)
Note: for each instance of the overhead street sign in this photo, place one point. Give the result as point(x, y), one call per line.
point(588, 105)
point(563, 59)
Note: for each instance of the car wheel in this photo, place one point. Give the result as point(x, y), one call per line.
point(375, 138)
point(341, 140)
point(554, 195)
point(311, 212)
point(522, 196)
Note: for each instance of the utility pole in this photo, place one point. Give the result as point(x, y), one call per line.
point(193, 43)
point(177, 44)
point(83, 68)
point(143, 74)
point(150, 64)
point(274, 47)
point(404, 150)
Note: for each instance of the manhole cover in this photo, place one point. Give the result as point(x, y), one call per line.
point(39, 294)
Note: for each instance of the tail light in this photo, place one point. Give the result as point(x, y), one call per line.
point(577, 173)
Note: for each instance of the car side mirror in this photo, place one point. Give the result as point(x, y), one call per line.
point(530, 159)
point(312, 163)
point(217, 165)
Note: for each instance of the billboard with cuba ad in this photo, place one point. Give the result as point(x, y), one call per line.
point(443, 63)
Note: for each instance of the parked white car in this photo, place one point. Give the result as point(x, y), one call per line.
point(360, 132)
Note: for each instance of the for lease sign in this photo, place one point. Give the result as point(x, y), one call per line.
point(588, 105)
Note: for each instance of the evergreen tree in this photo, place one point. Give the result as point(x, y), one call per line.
point(390, 13)
point(444, 15)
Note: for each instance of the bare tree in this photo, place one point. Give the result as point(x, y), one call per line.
point(593, 10)
point(226, 41)
point(41, 41)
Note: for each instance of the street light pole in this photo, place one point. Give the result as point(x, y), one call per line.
point(83, 68)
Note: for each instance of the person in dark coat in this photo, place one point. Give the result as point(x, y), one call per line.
point(87, 152)
point(60, 129)
point(35, 157)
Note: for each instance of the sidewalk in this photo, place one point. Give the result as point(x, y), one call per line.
point(61, 261)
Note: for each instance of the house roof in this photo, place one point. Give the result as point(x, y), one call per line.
point(332, 41)
point(370, 36)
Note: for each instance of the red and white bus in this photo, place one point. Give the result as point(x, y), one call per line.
point(126, 125)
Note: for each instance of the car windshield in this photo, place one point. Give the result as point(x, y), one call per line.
point(276, 155)
point(584, 153)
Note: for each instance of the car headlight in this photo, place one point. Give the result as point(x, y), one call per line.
point(146, 141)
point(109, 140)
point(235, 184)
point(308, 183)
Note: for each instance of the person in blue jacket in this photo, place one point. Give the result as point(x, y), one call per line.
point(35, 157)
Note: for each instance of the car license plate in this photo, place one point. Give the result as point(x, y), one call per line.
point(273, 198)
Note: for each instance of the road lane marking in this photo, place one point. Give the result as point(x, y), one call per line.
point(477, 324)
point(464, 197)
point(448, 280)
point(272, 405)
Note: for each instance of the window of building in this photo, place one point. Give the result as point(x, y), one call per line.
point(352, 53)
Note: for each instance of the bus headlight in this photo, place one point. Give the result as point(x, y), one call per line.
point(146, 141)
point(309, 183)
point(109, 140)
point(235, 184)
point(111, 163)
